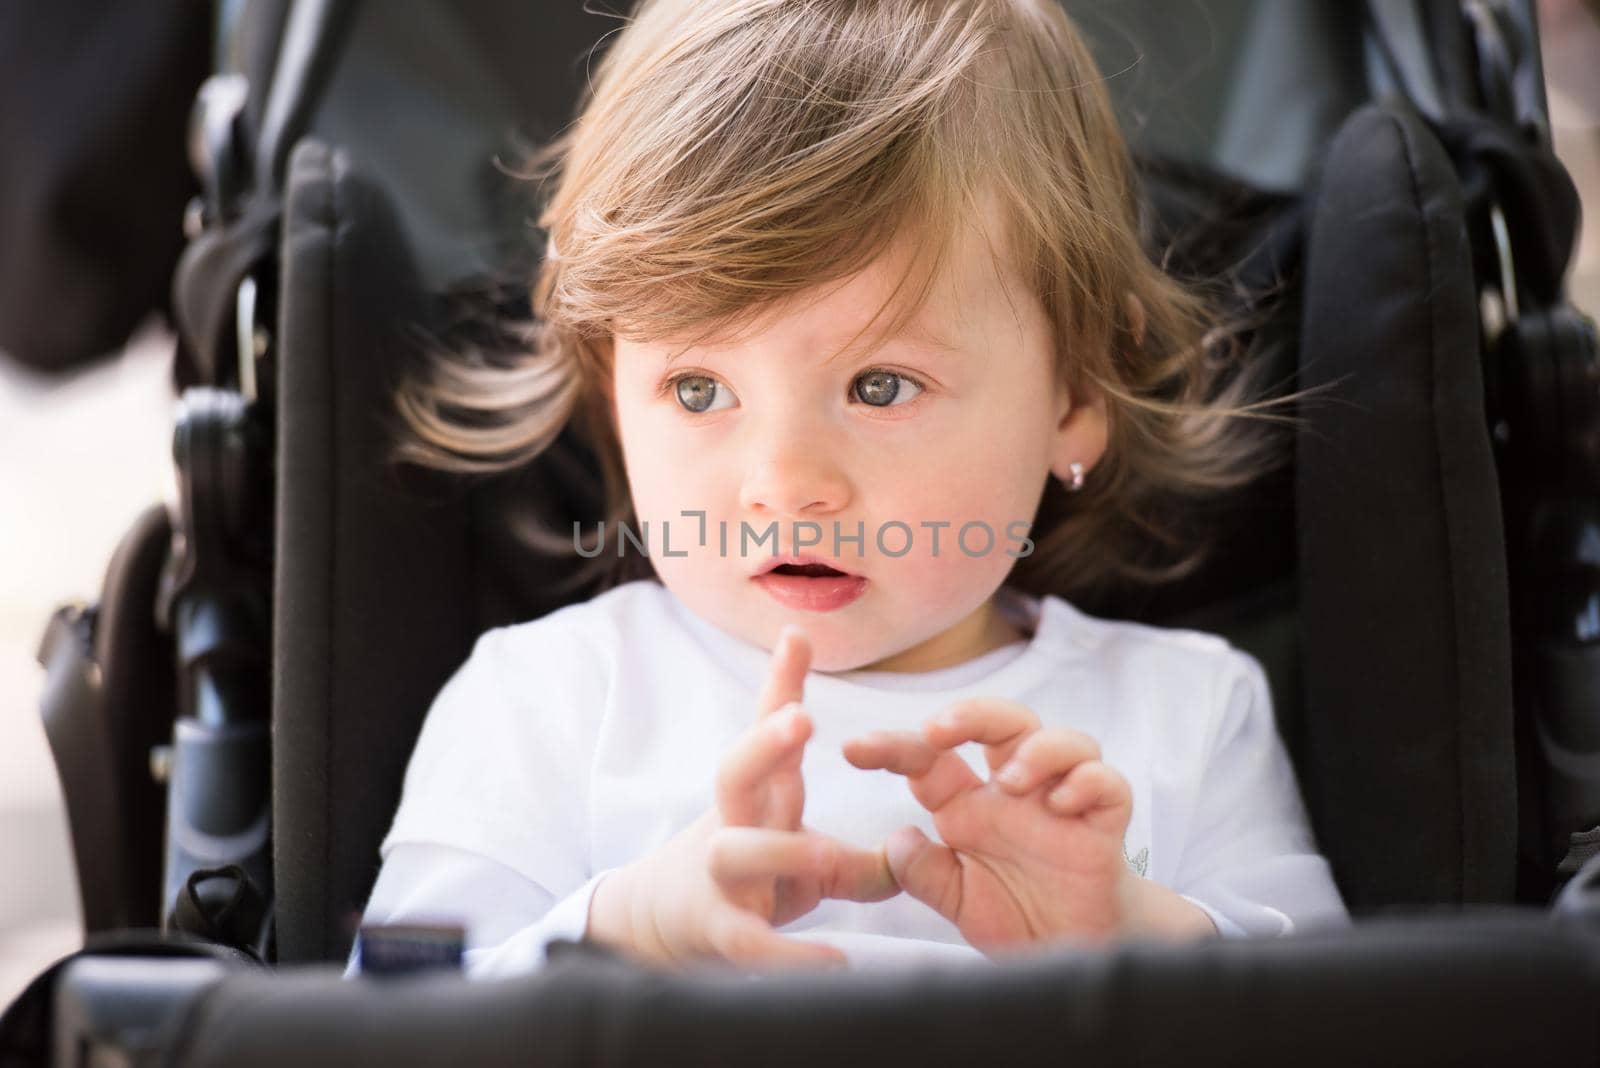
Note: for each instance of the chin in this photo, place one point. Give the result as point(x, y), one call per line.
point(830, 662)
point(833, 647)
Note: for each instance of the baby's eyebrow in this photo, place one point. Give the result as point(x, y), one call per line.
point(922, 332)
point(916, 330)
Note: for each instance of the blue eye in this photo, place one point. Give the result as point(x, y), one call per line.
point(886, 389)
point(698, 393)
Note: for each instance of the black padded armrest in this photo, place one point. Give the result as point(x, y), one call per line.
point(114, 1010)
point(1494, 986)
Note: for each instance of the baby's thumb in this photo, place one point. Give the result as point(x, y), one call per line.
point(926, 870)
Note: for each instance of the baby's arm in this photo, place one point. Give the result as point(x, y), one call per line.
point(1250, 858)
point(491, 833)
point(510, 919)
point(491, 829)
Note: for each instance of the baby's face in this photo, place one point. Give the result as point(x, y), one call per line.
point(960, 422)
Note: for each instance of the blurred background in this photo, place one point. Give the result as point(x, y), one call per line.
point(84, 451)
point(79, 460)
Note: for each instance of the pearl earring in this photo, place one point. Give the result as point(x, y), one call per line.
point(1077, 476)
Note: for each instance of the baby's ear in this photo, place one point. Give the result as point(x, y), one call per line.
point(1082, 432)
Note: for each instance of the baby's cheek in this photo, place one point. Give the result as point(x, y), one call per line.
point(970, 535)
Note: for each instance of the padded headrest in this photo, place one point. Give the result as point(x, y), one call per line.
point(1408, 755)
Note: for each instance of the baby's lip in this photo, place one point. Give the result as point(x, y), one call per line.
point(800, 560)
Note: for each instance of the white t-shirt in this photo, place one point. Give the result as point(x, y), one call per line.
point(573, 744)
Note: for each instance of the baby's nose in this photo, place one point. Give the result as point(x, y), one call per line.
point(795, 483)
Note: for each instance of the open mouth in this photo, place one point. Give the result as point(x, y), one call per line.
point(807, 570)
point(811, 587)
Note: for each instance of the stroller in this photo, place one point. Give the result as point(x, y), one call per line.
point(233, 720)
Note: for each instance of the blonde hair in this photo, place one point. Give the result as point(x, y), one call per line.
point(731, 153)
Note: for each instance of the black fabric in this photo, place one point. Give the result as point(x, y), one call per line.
point(1402, 562)
point(491, 78)
point(385, 578)
point(136, 658)
point(27, 1026)
point(1499, 167)
point(385, 575)
point(1243, 248)
point(94, 103)
point(370, 587)
point(1487, 988)
point(108, 699)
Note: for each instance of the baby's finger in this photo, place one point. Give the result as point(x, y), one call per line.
point(844, 871)
point(743, 938)
point(996, 722)
point(1096, 791)
point(1044, 755)
point(786, 673)
point(855, 874)
point(768, 747)
point(739, 853)
point(936, 777)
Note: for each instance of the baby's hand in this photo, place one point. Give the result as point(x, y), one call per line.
point(719, 887)
point(1035, 853)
